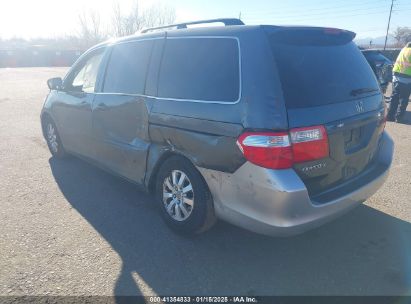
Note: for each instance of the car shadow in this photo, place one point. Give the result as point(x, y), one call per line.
point(366, 252)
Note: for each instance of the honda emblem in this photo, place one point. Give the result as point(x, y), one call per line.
point(359, 106)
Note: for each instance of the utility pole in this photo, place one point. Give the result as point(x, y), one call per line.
point(239, 15)
point(388, 25)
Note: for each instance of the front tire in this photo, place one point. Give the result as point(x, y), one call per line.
point(183, 196)
point(53, 139)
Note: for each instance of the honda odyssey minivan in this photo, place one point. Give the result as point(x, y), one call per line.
point(276, 129)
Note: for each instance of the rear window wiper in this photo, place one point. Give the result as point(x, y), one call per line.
point(360, 91)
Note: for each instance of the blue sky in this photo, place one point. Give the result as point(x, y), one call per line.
point(368, 18)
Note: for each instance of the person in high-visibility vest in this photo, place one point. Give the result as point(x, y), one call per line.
point(401, 85)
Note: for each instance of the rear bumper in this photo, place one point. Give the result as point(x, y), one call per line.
point(276, 202)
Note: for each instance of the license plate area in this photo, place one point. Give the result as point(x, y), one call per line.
point(353, 139)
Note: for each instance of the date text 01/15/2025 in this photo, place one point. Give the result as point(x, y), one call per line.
point(202, 299)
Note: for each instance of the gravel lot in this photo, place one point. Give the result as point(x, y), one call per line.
point(67, 228)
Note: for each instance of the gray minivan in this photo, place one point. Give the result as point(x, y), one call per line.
point(276, 129)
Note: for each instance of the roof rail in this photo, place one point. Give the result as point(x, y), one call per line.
point(226, 21)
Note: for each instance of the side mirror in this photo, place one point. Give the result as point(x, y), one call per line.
point(55, 83)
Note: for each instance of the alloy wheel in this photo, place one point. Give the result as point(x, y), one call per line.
point(178, 195)
point(52, 137)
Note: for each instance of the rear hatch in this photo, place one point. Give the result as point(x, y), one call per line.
point(327, 81)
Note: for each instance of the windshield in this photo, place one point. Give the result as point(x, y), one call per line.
point(320, 71)
point(376, 56)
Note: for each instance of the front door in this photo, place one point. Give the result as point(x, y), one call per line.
point(74, 109)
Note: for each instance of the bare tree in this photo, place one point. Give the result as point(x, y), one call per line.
point(129, 23)
point(402, 35)
point(158, 15)
point(117, 20)
point(126, 24)
point(90, 28)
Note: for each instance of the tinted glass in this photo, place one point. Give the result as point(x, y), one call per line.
point(86, 75)
point(375, 56)
point(126, 71)
point(322, 69)
point(200, 69)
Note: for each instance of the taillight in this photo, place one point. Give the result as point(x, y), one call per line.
point(266, 149)
point(280, 150)
point(309, 143)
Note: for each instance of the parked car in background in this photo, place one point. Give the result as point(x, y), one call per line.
point(266, 127)
point(381, 65)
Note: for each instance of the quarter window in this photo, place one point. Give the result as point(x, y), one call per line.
point(127, 69)
point(204, 69)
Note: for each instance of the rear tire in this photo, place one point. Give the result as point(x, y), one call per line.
point(183, 196)
point(53, 139)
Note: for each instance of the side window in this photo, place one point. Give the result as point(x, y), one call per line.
point(200, 69)
point(85, 75)
point(127, 69)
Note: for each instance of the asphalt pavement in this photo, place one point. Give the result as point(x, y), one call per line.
point(68, 228)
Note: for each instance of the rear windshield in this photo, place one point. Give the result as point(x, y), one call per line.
point(316, 68)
